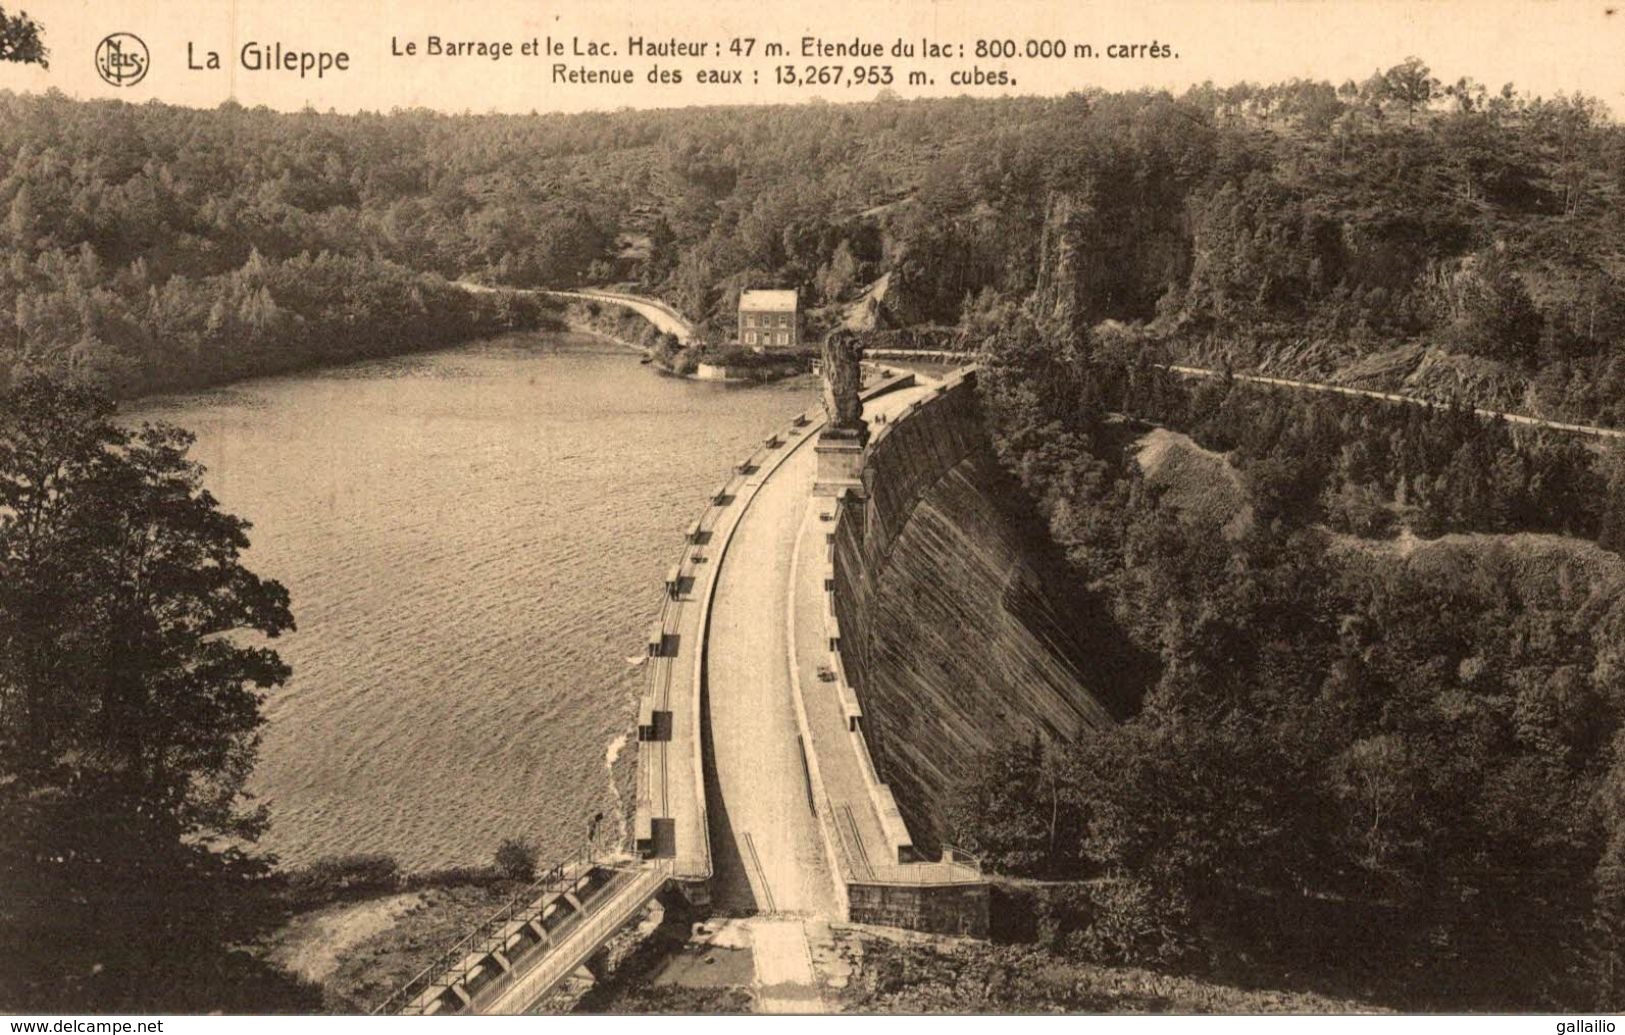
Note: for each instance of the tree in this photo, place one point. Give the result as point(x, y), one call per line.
point(22, 40)
point(129, 713)
point(1609, 879)
point(1490, 310)
point(122, 584)
point(1018, 812)
point(839, 275)
point(1612, 533)
point(1410, 84)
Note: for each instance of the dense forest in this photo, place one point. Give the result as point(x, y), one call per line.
point(1380, 750)
point(1452, 241)
point(154, 247)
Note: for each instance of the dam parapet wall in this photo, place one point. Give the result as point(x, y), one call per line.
point(670, 815)
point(670, 809)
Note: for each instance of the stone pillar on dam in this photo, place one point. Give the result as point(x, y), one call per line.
point(840, 446)
point(840, 463)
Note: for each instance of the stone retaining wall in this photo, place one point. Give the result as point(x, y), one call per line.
point(953, 630)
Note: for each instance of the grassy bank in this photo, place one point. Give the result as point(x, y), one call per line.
point(349, 930)
point(897, 972)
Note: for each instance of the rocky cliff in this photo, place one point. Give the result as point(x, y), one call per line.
point(1092, 268)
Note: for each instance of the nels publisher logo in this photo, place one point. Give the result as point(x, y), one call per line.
point(121, 59)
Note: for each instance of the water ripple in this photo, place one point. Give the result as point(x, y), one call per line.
point(472, 541)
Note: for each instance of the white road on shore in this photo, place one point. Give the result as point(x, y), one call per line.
point(1395, 397)
point(663, 316)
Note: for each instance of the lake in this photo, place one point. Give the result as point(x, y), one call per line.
point(474, 541)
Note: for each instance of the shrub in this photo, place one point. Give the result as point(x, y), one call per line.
point(1133, 924)
point(1060, 912)
point(1012, 913)
point(452, 877)
point(667, 347)
point(1358, 510)
point(686, 361)
point(743, 358)
point(516, 859)
point(344, 876)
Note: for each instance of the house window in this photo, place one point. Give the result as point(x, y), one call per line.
point(750, 337)
point(784, 319)
point(750, 319)
point(784, 339)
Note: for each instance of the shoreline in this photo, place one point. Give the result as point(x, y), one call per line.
point(177, 396)
point(667, 370)
point(649, 334)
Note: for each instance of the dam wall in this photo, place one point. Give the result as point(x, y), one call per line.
point(952, 633)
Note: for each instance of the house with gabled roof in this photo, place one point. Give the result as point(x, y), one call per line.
point(769, 320)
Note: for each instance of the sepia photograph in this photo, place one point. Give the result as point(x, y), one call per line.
point(910, 508)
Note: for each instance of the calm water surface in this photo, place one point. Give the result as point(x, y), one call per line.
point(474, 541)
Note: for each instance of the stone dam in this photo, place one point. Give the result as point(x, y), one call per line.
point(847, 633)
point(954, 635)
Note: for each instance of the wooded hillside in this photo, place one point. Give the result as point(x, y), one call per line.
point(1454, 241)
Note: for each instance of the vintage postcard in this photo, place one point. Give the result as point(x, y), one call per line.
point(919, 507)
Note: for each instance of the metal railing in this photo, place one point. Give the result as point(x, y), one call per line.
point(578, 943)
point(452, 964)
point(856, 853)
point(956, 854)
point(761, 874)
point(921, 875)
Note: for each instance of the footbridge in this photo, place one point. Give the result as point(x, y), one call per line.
point(514, 958)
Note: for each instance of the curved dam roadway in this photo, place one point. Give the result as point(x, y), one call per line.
point(750, 788)
point(768, 853)
point(755, 785)
point(754, 833)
